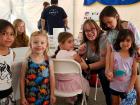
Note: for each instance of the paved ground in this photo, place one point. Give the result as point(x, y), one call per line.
point(100, 98)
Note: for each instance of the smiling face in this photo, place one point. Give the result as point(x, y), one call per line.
point(126, 43)
point(90, 31)
point(7, 37)
point(68, 44)
point(38, 44)
point(21, 27)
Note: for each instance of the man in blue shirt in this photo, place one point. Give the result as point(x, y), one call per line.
point(54, 17)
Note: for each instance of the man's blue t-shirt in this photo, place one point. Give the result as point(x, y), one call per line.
point(54, 17)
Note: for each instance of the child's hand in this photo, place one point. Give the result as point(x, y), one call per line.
point(53, 99)
point(138, 55)
point(24, 101)
point(84, 66)
point(77, 58)
point(82, 49)
point(109, 75)
point(129, 88)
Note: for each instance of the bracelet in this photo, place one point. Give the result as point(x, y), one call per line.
point(88, 67)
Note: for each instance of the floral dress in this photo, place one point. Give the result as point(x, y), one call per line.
point(37, 84)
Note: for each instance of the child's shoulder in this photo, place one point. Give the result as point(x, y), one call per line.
point(67, 52)
point(62, 54)
point(125, 24)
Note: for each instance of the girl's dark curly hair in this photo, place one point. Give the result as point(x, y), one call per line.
point(123, 35)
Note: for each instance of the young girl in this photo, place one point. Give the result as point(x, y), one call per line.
point(123, 69)
point(21, 39)
point(110, 21)
point(66, 51)
point(7, 35)
point(37, 75)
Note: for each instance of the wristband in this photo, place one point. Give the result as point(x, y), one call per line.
point(88, 67)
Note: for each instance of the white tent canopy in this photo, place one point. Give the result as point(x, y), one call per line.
point(30, 11)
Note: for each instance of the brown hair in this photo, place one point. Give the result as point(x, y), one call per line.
point(122, 35)
point(23, 37)
point(62, 37)
point(98, 29)
point(4, 24)
point(45, 4)
point(54, 1)
point(109, 11)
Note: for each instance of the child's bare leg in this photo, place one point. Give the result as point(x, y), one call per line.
point(137, 87)
point(115, 100)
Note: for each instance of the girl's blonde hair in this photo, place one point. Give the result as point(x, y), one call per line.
point(16, 24)
point(37, 33)
point(25, 38)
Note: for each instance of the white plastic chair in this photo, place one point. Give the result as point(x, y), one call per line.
point(96, 87)
point(65, 66)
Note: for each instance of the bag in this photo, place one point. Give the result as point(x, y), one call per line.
point(93, 79)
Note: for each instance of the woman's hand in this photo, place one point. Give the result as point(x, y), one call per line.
point(82, 49)
point(77, 58)
point(84, 66)
point(53, 99)
point(24, 101)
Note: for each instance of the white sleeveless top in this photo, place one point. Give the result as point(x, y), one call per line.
point(5, 71)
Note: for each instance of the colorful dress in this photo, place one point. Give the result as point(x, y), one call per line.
point(37, 84)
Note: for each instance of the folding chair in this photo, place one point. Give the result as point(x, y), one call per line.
point(96, 87)
point(65, 66)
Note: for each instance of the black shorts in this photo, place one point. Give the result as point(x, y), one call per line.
point(117, 93)
point(5, 93)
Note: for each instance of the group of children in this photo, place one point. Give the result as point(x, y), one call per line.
point(37, 80)
point(37, 75)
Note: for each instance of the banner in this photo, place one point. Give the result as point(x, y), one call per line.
point(111, 2)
